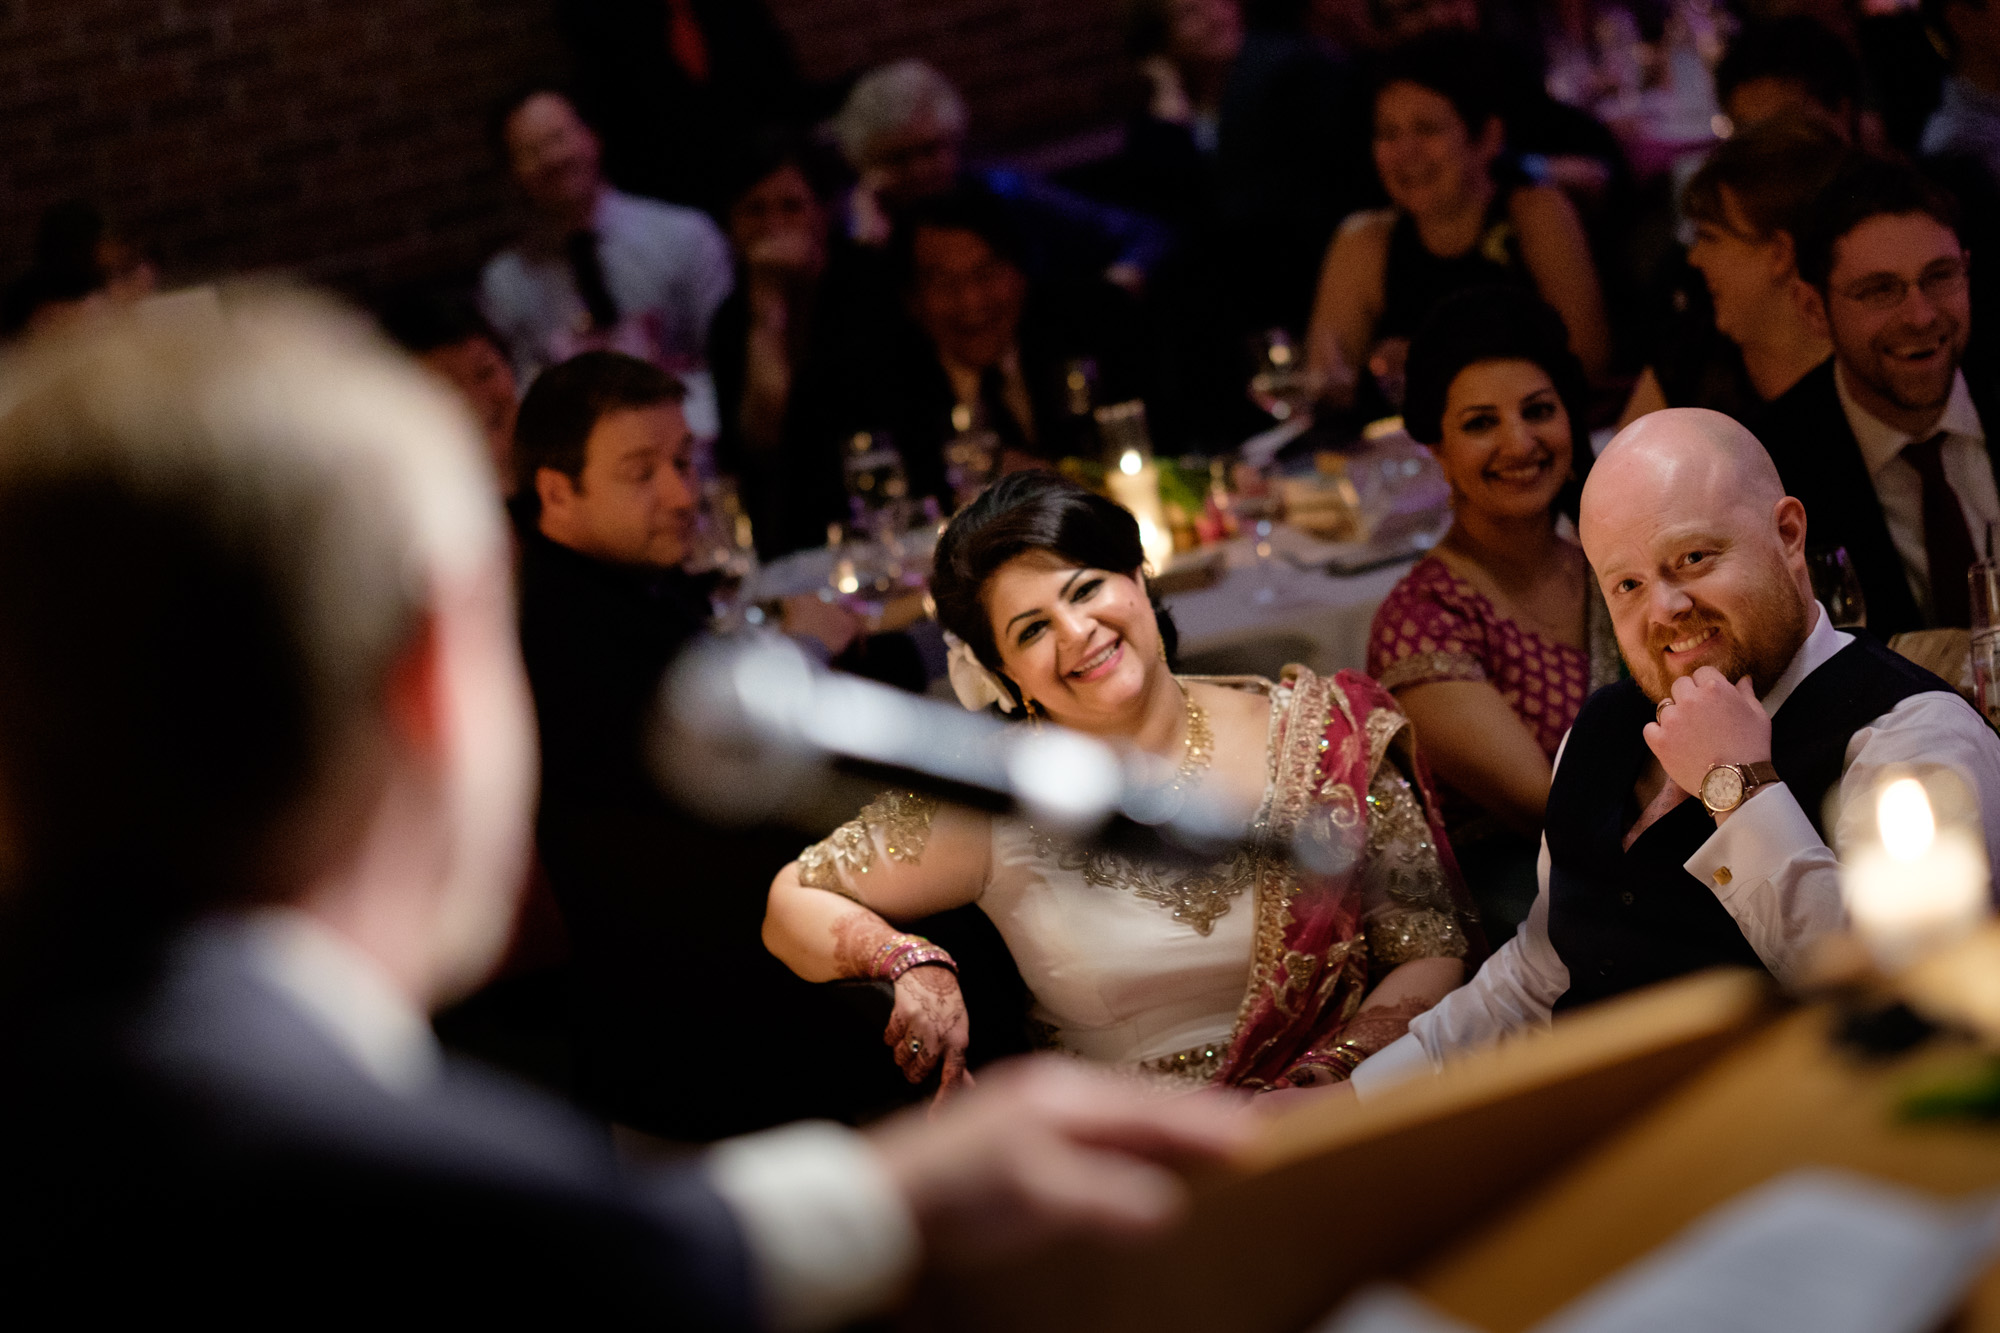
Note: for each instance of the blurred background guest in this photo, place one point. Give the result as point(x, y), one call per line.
point(448, 336)
point(79, 263)
point(903, 129)
point(1493, 641)
point(598, 267)
point(799, 348)
point(1751, 340)
point(1796, 66)
point(1458, 219)
point(1888, 441)
point(994, 348)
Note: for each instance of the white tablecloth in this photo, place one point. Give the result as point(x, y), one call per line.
point(1256, 621)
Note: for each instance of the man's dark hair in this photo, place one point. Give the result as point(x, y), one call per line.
point(1020, 513)
point(963, 208)
point(1866, 187)
point(423, 319)
point(566, 402)
point(1798, 49)
point(1776, 171)
point(1457, 66)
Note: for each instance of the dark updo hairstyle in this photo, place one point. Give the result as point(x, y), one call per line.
point(1495, 324)
point(1023, 512)
point(1455, 65)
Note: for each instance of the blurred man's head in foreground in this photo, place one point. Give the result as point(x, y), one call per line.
point(259, 644)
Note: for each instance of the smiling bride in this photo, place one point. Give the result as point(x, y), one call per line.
point(1255, 972)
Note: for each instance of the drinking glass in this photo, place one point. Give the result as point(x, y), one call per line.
point(1837, 587)
point(1282, 385)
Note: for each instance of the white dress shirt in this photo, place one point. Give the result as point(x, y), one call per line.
point(1901, 491)
point(830, 1237)
point(667, 267)
point(1766, 864)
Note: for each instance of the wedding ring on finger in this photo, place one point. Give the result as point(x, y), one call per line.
point(916, 1046)
point(1660, 708)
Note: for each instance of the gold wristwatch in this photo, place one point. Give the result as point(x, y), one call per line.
point(1727, 786)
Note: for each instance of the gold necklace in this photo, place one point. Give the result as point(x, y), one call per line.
point(1198, 745)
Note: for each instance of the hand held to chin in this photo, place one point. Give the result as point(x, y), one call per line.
point(1708, 722)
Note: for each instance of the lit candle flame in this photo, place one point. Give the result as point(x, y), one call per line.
point(1903, 812)
point(1129, 462)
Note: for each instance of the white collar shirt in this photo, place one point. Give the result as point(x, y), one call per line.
point(1900, 490)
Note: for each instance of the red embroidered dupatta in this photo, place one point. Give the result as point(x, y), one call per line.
point(1309, 969)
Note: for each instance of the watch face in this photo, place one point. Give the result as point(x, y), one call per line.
point(1722, 789)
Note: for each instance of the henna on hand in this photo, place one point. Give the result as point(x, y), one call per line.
point(931, 1010)
point(1372, 1029)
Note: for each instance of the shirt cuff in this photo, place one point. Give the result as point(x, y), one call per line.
point(831, 1239)
point(1754, 843)
point(1400, 1061)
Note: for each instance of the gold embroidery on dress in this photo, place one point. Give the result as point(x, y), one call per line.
point(1400, 847)
point(1425, 667)
point(1196, 1064)
point(1197, 898)
point(902, 818)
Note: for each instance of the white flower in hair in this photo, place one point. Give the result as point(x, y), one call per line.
point(975, 686)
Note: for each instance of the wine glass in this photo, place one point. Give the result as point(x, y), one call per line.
point(1282, 385)
point(1837, 586)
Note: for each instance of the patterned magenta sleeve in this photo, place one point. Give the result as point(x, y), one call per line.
point(1425, 631)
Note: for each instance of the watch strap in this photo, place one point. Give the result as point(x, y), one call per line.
point(1760, 774)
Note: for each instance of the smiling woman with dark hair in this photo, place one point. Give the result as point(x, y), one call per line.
point(1492, 643)
point(1132, 964)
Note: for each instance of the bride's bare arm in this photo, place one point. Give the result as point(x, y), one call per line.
point(831, 915)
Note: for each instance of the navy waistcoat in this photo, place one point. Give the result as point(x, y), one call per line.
point(1623, 919)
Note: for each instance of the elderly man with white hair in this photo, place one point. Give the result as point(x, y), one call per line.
point(903, 130)
point(1689, 821)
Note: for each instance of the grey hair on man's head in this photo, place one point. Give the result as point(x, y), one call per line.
point(892, 98)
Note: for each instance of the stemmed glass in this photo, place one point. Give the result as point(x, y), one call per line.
point(1837, 586)
point(1281, 385)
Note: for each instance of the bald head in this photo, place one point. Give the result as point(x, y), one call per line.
point(1679, 457)
point(1698, 550)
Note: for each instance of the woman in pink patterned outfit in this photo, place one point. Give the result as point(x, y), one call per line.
point(1492, 643)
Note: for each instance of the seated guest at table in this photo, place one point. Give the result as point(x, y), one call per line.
point(903, 130)
point(1743, 694)
point(661, 910)
point(1493, 641)
point(598, 268)
point(1456, 222)
point(268, 795)
point(797, 349)
point(1134, 965)
point(1886, 442)
point(989, 347)
point(1750, 341)
point(450, 338)
point(1793, 66)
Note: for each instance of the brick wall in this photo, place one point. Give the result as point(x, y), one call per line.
point(346, 139)
point(1032, 69)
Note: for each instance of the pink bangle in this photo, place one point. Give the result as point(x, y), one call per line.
point(903, 952)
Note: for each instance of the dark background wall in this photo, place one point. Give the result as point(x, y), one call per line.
point(347, 139)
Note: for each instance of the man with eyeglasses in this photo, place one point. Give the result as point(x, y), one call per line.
point(1886, 443)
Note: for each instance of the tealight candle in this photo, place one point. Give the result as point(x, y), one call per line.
point(1916, 885)
point(1135, 483)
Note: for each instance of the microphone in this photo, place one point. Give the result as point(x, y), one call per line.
point(749, 729)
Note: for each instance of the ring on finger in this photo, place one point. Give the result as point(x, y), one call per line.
point(1660, 708)
point(916, 1046)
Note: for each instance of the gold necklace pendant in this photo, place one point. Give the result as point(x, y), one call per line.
point(1198, 746)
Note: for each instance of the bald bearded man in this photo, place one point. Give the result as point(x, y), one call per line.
point(1687, 818)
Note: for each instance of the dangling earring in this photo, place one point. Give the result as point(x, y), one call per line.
point(1034, 715)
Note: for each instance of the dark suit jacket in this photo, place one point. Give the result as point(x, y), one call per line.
point(228, 1160)
point(1820, 462)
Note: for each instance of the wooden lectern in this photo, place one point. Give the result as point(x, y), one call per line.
point(1508, 1186)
